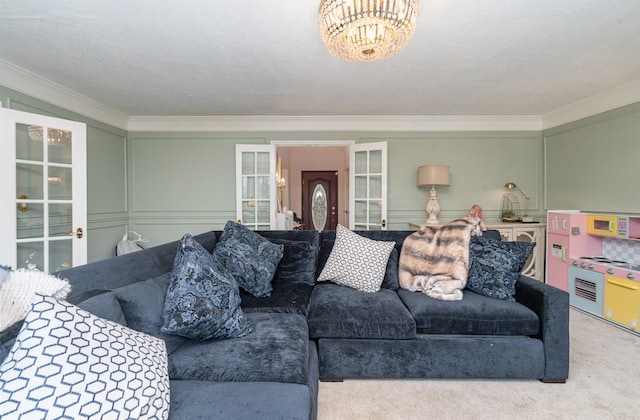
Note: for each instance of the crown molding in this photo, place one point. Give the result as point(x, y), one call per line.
point(28, 83)
point(336, 123)
point(621, 96)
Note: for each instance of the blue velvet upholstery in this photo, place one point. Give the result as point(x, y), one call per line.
point(495, 266)
point(342, 312)
point(432, 357)
point(203, 300)
point(276, 351)
point(251, 259)
point(142, 305)
point(292, 298)
point(298, 264)
point(105, 305)
point(473, 315)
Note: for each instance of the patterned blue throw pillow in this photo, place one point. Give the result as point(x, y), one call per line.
point(251, 259)
point(203, 300)
point(496, 266)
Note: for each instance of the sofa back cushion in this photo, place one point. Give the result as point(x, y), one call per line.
point(126, 269)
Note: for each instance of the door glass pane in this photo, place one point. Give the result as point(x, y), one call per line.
point(375, 161)
point(248, 163)
point(60, 221)
point(361, 212)
point(375, 186)
point(263, 186)
point(248, 187)
point(361, 163)
point(263, 163)
point(375, 212)
point(361, 187)
point(29, 142)
point(249, 211)
point(30, 223)
point(264, 212)
point(59, 180)
point(29, 181)
point(59, 144)
point(60, 254)
point(31, 255)
point(319, 207)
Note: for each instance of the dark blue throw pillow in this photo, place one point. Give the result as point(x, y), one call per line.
point(251, 259)
point(203, 300)
point(495, 266)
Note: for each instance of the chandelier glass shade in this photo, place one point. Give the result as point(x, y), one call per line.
point(367, 30)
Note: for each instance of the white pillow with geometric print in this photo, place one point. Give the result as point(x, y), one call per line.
point(356, 261)
point(69, 363)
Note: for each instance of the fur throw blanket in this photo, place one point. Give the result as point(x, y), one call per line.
point(435, 261)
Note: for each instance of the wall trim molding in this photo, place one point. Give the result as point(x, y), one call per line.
point(337, 123)
point(28, 83)
point(616, 98)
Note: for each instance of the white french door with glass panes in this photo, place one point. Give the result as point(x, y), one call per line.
point(43, 198)
point(368, 186)
point(256, 186)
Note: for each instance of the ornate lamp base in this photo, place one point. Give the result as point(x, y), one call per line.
point(433, 207)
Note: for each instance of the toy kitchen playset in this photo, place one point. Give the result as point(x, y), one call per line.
point(596, 258)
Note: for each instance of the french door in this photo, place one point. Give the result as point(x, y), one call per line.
point(256, 198)
point(43, 204)
point(368, 186)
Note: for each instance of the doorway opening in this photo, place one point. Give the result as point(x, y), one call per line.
point(331, 157)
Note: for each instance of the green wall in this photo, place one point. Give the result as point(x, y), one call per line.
point(592, 164)
point(185, 182)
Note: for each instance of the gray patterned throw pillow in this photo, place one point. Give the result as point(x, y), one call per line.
point(356, 261)
point(251, 259)
point(203, 300)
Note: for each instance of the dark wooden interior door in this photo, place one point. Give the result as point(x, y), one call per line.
point(320, 200)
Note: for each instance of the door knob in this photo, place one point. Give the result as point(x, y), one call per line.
point(384, 223)
point(78, 233)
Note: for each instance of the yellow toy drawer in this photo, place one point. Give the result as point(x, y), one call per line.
point(622, 301)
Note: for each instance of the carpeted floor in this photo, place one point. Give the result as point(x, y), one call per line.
point(604, 383)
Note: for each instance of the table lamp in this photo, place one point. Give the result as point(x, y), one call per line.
point(432, 175)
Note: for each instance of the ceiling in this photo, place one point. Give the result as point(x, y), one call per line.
point(266, 58)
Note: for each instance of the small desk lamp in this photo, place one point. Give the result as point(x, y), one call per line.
point(432, 175)
point(511, 186)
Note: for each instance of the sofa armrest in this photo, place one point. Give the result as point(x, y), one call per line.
point(552, 307)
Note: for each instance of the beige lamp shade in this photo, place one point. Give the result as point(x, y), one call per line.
point(433, 175)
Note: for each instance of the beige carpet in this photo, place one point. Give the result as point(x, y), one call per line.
point(604, 383)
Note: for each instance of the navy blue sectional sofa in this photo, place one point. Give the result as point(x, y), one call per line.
point(307, 331)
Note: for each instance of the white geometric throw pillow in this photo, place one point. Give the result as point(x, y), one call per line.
point(68, 363)
point(356, 261)
point(18, 289)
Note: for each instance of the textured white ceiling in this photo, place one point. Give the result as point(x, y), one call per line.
point(257, 57)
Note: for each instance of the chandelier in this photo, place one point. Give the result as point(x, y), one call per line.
point(367, 30)
point(55, 137)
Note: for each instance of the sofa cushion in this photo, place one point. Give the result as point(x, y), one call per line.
point(286, 297)
point(298, 264)
point(251, 259)
point(342, 312)
point(473, 315)
point(496, 266)
point(106, 306)
point(276, 351)
point(356, 261)
point(69, 363)
point(203, 300)
point(142, 304)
